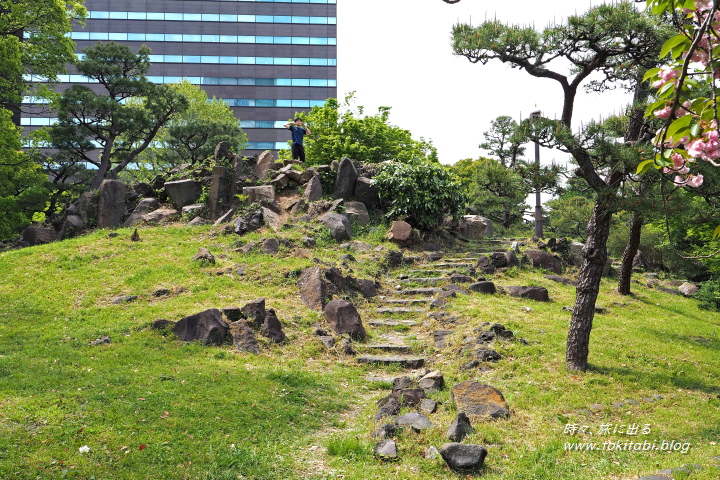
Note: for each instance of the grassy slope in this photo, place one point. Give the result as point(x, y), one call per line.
point(149, 406)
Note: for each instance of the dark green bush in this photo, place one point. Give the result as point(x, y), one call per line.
point(709, 296)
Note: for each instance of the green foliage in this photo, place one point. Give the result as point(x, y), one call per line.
point(11, 81)
point(123, 121)
point(569, 216)
point(343, 130)
point(191, 136)
point(421, 192)
point(350, 447)
point(22, 183)
point(709, 296)
point(504, 140)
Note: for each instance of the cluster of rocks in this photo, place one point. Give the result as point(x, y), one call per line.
point(319, 284)
point(215, 326)
point(475, 402)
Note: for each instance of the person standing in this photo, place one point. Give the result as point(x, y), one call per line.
point(298, 130)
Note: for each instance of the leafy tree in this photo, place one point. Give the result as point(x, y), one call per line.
point(613, 43)
point(421, 192)
point(122, 129)
point(191, 136)
point(342, 130)
point(22, 182)
point(504, 140)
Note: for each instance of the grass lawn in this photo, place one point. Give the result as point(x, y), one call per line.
point(148, 406)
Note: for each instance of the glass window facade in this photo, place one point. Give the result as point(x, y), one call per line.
point(197, 17)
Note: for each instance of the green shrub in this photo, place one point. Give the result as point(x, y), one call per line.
point(422, 193)
point(347, 447)
point(709, 296)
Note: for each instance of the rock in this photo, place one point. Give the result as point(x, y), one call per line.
point(111, 204)
point(198, 221)
point(72, 225)
point(338, 225)
point(204, 256)
point(207, 326)
point(313, 291)
point(272, 328)
point(483, 287)
point(347, 348)
point(183, 192)
point(161, 215)
point(400, 233)
point(100, 341)
point(432, 381)
point(439, 337)
point(511, 258)
point(428, 406)
point(460, 456)
point(356, 211)
point(480, 401)
point(431, 453)
point(270, 246)
point(488, 355)
point(243, 338)
point(308, 242)
point(563, 280)
point(484, 265)
point(473, 227)
point(313, 190)
point(366, 192)
point(222, 152)
point(368, 288)
point(160, 292)
point(343, 317)
point(416, 421)
point(233, 314)
point(407, 362)
point(393, 258)
point(671, 291)
point(87, 207)
point(254, 312)
point(255, 194)
point(328, 341)
point(540, 259)
point(576, 253)
point(271, 218)
point(345, 179)
point(280, 182)
point(410, 397)
point(219, 195)
point(249, 223)
point(402, 383)
point(460, 428)
point(388, 430)
point(498, 259)
point(145, 206)
point(539, 294)
point(161, 324)
point(639, 261)
point(688, 289)
point(458, 278)
point(388, 409)
point(299, 207)
point(35, 235)
point(225, 217)
point(386, 449)
point(124, 299)
point(263, 165)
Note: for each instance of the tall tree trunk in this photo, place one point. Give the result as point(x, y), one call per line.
point(629, 254)
point(594, 258)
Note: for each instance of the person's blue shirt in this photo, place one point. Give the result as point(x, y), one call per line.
point(297, 134)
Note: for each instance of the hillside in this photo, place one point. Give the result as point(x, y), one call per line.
point(148, 405)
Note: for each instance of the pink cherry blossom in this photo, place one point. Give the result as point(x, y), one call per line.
point(695, 148)
point(663, 112)
point(695, 181)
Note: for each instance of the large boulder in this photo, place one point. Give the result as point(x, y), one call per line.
point(540, 259)
point(243, 337)
point(35, 235)
point(87, 207)
point(460, 456)
point(255, 194)
point(183, 192)
point(338, 225)
point(207, 326)
point(358, 212)
point(343, 317)
point(688, 289)
point(219, 196)
point(312, 288)
point(345, 179)
point(473, 227)
point(539, 294)
point(144, 206)
point(576, 253)
point(313, 190)
point(272, 328)
point(161, 215)
point(249, 223)
point(254, 312)
point(72, 225)
point(264, 163)
point(366, 192)
point(111, 204)
point(479, 401)
point(400, 233)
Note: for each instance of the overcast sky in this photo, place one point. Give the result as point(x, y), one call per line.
point(397, 53)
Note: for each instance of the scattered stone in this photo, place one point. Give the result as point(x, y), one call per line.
point(243, 337)
point(688, 289)
point(343, 317)
point(256, 194)
point(207, 326)
point(400, 233)
point(460, 428)
point(500, 330)
point(313, 292)
point(416, 421)
point(428, 406)
point(390, 408)
point(160, 216)
point(183, 192)
point(432, 381)
point(272, 328)
point(264, 163)
point(432, 453)
point(347, 348)
point(328, 341)
point(338, 225)
point(458, 278)
point(366, 192)
point(460, 456)
point(483, 287)
point(189, 209)
point(480, 401)
point(439, 337)
point(254, 312)
point(408, 362)
point(389, 430)
point(345, 179)
point(124, 299)
point(358, 212)
point(539, 294)
point(402, 383)
point(596, 407)
point(487, 355)
point(540, 259)
point(224, 218)
point(386, 449)
point(161, 324)
point(456, 288)
point(563, 280)
point(512, 260)
point(368, 288)
point(204, 256)
point(100, 341)
point(308, 242)
point(347, 258)
point(270, 246)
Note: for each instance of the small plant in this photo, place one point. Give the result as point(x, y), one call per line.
point(205, 195)
point(347, 447)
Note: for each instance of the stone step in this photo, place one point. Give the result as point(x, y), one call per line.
point(437, 271)
point(456, 265)
point(461, 259)
point(408, 362)
point(391, 323)
point(387, 347)
point(403, 301)
point(400, 310)
point(426, 280)
point(417, 291)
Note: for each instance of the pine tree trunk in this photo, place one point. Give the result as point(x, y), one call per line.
point(629, 254)
point(594, 258)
